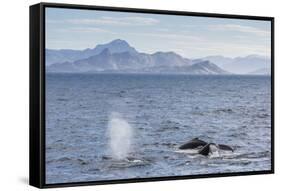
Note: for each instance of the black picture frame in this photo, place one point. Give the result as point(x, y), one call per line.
point(37, 93)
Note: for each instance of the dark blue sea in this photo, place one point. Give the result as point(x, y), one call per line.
point(120, 126)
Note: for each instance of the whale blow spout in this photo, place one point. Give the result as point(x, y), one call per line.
point(120, 135)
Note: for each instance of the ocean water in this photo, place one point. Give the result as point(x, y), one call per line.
point(120, 126)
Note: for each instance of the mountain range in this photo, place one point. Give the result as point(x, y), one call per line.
point(241, 65)
point(68, 55)
point(119, 57)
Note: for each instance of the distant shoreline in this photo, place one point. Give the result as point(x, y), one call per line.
point(152, 74)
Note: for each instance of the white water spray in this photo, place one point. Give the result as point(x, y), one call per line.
point(120, 134)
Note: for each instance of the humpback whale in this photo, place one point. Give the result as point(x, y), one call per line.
point(204, 147)
point(193, 144)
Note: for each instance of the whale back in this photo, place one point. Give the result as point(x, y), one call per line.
point(193, 144)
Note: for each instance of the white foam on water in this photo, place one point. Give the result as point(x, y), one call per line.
point(214, 152)
point(120, 134)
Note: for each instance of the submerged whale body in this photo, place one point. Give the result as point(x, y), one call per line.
point(193, 144)
point(204, 147)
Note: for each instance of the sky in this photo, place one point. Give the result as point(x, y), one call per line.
point(189, 36)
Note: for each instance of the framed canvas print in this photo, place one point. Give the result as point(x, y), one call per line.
point(130, 95)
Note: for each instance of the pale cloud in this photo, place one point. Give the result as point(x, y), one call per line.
point(198, 46)
point(117, 21)
point(90, 30)
point(240, 28)
point(189, 36)
point(169, 36)
point(227, 49)
point(185, 44)
point(82, 30)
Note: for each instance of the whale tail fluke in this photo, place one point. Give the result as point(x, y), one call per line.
point(206, 150)
point(225, 147)
point(193, 144)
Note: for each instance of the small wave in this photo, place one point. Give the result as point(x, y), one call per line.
point(68, 160)
point(224, 110)
point(239, 134)
point(239, 162)
point(254, 155)
point(49, 148)
point(93, 170)
point(82, 162)
point(263, 115)
point(197, 113)
point(106, 158)
point(62, 99)
point(63, 159)
point(170, 145)
point(167, 128)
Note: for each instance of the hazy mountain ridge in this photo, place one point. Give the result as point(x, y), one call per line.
point(112, 58)
point(241, 65)
point(68, 55)
point(119, 56)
